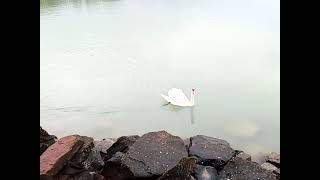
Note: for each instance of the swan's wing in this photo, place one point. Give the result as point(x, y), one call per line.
point(178, 97)
point(167, 98)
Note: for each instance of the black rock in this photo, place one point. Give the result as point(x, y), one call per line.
point(84, 151)
point(79, 161)
point(150, 156)
point(274, 158)
point(210, 151)
point(94, 162)
point(121, 145)
point(240, 169)
point(182, 170)
point(46, 140)
point(84, 175)
point(119, 167)
point(159, 151)
point(205, 173)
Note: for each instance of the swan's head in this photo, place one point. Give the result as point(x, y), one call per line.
point(193, 90)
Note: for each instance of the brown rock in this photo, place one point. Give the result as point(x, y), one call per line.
point(56, 156)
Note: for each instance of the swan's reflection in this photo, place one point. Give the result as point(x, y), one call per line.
point(179, 108)
point(192, 114)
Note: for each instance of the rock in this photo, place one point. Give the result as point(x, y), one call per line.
point(210, 151)
point(104, 145)
point(57, 155)
point(84, 151)
point(182, 170)
point(269, 167)
point(274, 158)
point(244, 156)
point(187, 142)
point(94, 161)
point(151, 155)
point(259, 158)
point(159, 151)
point(85, 175)
point(118, 167)
point(46, 140)
point(78, 162)
point(240, 169)
point(121, 145)
point(277, 173)
point(205, 173)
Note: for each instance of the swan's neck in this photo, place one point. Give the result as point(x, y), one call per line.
point(192, 98)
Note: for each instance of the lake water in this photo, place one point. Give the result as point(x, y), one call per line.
point(104, 64)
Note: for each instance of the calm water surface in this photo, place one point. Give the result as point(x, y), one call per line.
point(105, 62)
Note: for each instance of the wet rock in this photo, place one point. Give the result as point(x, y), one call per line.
point(46, 140)
point(57, 155)
point(240, 169)
point(182, 170)
point(205, 173)
point(210, 151)
point(268, 166)
point(244, 156)
point(151, 155)
point(274, 158)
point(121, 145)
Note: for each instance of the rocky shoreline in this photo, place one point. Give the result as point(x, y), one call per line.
point(152, 156)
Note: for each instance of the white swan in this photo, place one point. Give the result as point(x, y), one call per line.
point(178, 98)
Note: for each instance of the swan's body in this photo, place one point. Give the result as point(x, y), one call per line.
point(178, 98)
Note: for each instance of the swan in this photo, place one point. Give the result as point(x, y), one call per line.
point(178, 98)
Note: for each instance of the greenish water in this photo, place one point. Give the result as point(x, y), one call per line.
point(105, 62)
